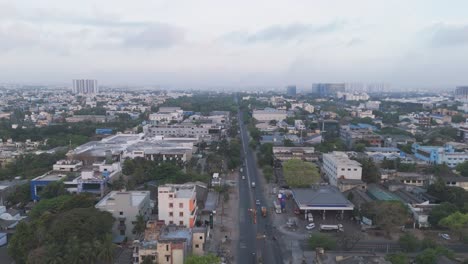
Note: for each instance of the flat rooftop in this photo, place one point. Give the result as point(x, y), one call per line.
point(52, 176)
point(136, 197)
point(321, 197)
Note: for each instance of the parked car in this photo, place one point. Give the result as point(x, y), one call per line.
point(310, 226)
point(243, 177)
point(445, 236)
point(257, 202)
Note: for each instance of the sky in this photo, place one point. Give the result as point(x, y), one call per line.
point(218, 43)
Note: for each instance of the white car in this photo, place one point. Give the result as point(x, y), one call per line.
point(445, 236)
point(310, 226)
point(243, 177)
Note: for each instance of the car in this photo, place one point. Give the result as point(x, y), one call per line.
point(310, 226)
point(257, 202)
point(243, 177)
point(445, 236)
point(253, 184)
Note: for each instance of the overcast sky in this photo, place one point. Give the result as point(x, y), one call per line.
point(408, 43)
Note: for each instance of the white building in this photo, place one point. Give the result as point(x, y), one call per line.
point(167, 114)
point(299, 124)
point(125, 206)
point(269, 114)
point(177, 204)
point(85, 87)
point(202, 131)
point(372, 105)
point(337, 165)
point(309, 108)
point(365, 113)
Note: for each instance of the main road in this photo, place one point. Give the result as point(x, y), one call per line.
point(256, 238)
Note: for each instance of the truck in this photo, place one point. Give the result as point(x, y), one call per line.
point(277, 207)
point(264, 211)
point(335, 228)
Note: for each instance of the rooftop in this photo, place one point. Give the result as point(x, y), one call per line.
point(136, 197)
point(321, 196)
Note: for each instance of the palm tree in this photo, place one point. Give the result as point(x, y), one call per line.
point(87, 253)
point(106, 253)
point(72, 251)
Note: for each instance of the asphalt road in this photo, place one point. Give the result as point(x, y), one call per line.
point(255, 239)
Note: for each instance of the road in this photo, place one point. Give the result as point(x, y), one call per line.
point(255, 239)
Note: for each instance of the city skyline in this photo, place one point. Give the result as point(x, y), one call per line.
point(421, 44)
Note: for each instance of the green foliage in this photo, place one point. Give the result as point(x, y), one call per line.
point(331, 145)
point(207, 259)
point(397, 258)
point(268, 173)
point(387, 215)
point(370, 172)
point(265, 155)
point(65, 229)
point(394, 131)
point(321, 240)
point(204, 103)
point(288, 143)
point(142, 170)
point(359, 147)
point(298, 173)
point(21, 195)
point(29, 165)
point(456, 222)
point(462, 168)
point(140, 225)
point(455, 195)
point(430, 255)
point(409, 243)
point(458, 118)
point(441, 211)
point(53, 189)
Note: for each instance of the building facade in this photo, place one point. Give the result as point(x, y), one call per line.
point(337, 165)
point(177, 204)
point(83, 86)
point(269, 114)
point(125, 206)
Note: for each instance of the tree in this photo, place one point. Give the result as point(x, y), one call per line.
point(430, 255)
point(147, 260)
point(207, 259)
point(22, 242)
point(388, 215)
point(409, 243)
point(321, 240)
point(106, 252)
point(288, 143)
point(397, 258)
point(462, 168)
point(360, 147)
point(347, 240)
point(140, 225)
point(456, 222)
point(53, 189)
point(457, 118)
point(441, 211)
point(370, 172)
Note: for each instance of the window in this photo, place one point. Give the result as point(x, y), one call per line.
point(170, 195)
point(171, 205)
point(167, 247)
point(197, 246)
point(167, 258)
point(120, 213)
point(171, 214)
point(181, 223)
point(181, 205)
point(201, 237)
point(171, 222)
point(181, 214)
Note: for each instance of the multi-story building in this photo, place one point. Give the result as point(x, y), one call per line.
point(287, 153)
point(291, 90)
point(439, 155)
point(125, 206)
point(337, 165)
point(202, 131)
point(351, 136)
point(461, 93)
point(269, 114)
point(83, 86)
point(328, 89)
point(372, 105)
point(177, 204)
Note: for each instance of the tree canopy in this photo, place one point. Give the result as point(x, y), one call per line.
point(207, 259)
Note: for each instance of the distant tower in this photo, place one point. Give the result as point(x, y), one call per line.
point(291, 90)
point(83, 86)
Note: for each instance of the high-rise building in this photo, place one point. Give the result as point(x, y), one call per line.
point(328, 89)
point(461, 93)
point(83, 86)
point(291, 90)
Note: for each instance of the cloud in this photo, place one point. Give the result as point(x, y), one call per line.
point(444, 35)
point(283, 33)
point(157, 35)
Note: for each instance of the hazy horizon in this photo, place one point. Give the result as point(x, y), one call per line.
point(193, 44)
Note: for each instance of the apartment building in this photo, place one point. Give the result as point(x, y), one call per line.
point(177, 204)
point(439, 155)
point(125, 206)
point(337, 165)
point(167, 114)
point(205, 131)
point(351, 136)
point(269, 114)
